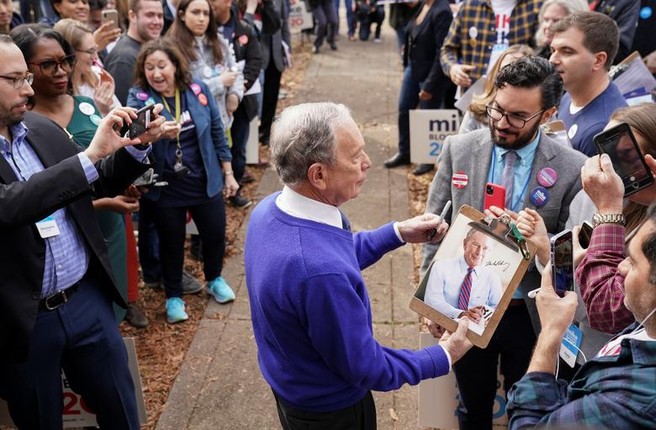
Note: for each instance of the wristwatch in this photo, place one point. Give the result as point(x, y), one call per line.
point(608, 219)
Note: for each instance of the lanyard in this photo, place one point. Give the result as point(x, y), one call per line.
point(176, 115)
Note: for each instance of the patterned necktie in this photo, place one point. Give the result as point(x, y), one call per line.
point(508, 176)
point(465, 290)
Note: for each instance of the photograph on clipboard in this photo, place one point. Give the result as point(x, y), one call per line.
point(474, 273)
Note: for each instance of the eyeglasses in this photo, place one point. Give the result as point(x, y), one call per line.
point(18, 81)
point(514, 120)
point(90, 51)
point(49, 67)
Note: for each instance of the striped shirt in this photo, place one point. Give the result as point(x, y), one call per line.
point(66, 259)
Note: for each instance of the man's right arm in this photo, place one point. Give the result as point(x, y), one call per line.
point(449, 54)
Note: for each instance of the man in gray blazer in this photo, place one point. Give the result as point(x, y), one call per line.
point(544, 175)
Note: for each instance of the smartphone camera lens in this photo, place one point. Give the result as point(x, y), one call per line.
point(489, 189)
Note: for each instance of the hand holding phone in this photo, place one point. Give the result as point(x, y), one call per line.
point(140, 124)
point(110, 15)
point(628, 162)
point(562, 265)
point(495, 195)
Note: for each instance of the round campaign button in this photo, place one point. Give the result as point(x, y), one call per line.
point(87, 108)
point(473, 32)
point(202, 99)
point(150, 101)
point(547, 177)
point(572, 131)
point(195, 88)
point(95, 119)
point(142, 95)
point(207, 71)
point(539, 196)
point(459, 179)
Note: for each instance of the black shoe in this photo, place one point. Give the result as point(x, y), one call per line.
point(135, 316)
point(240, 201)
point(333, 46)
point(397, 160)
point(190, 284)
point(422, 169)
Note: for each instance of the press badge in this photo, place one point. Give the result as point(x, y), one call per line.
point(47, 227)
point(569, 346)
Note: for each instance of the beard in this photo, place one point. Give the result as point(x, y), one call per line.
point(9, 118)
point(522, 137)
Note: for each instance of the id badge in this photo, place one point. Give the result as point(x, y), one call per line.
point(570, 344)
point(48, 227)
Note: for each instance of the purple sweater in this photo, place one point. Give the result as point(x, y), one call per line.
point(311, 313)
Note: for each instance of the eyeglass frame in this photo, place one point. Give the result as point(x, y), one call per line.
point(90, 51)
point(26, 77)
point(510, 115)
point(71, 59)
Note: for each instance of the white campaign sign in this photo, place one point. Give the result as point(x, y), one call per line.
point(438, 398)
point(300, 17)
point(428, 129)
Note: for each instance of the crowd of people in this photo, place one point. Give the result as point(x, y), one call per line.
point(75, 82)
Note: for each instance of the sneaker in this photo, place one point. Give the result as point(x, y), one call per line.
point(220, 290)
point(175, 310)
point(135, 316)
point(240, 201)
point(377, 40)
point(315, 50)
point(190, 284)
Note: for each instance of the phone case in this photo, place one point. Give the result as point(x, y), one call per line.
point(562, 266)
point(629, 163)
point(495, 195)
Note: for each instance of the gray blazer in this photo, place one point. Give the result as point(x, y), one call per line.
point(470, 154)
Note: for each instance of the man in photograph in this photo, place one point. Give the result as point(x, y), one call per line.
point(461, 286)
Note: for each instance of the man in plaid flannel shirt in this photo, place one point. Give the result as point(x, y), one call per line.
point(483, 29)
point(617, 387)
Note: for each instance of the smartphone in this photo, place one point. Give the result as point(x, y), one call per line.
point(110, 15)
point(562, 265)
point(585, 234)
point(140, 124)
point(621, 146)
point(495, 195)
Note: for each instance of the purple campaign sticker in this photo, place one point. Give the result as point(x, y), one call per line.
point(141, 95)
point(547, 177)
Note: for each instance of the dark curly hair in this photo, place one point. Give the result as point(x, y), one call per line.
point(531, 72)
point(167, 46)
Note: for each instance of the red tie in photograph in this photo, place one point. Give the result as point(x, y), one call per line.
point(465, 290)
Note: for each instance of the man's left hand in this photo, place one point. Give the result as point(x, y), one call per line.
point(420, 229)
point(556, 313)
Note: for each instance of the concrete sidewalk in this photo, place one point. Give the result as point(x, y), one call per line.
point(220, 385)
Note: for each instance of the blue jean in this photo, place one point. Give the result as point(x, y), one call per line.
point(350, 16)
point(409, 99)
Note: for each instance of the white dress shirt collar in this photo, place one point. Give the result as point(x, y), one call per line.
point(299, 206)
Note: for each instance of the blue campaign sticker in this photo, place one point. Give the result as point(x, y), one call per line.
point(539, 196)
point(646, 12)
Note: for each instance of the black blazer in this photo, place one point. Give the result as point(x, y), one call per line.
point(423, 44)
point(247, 48)
point(23, 203)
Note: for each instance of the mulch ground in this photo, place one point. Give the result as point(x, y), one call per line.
point(161, 347)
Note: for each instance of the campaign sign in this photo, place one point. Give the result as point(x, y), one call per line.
point(300, 17)
point(76, 413)
point(438, 398)
point(428, 129)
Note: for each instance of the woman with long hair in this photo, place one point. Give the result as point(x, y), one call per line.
point(210, 57)
point(196, 164)
point(88, 79)
point(550, 13)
